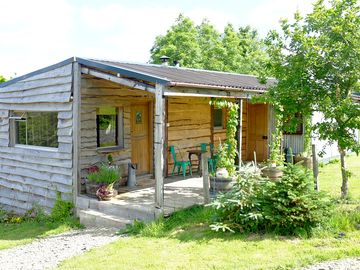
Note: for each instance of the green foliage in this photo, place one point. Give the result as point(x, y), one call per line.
point(227, 153)
point(2, 79)
point(292, 205)
point(287, 206)
point(62, 210)
point(240, 208)
point(275, 156)
point(316, 61)
point(105, 175)
point(203, 47)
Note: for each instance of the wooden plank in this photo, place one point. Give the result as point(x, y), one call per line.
point(315, 167)
point(205, 175)
point(57, 97)
point(240, 133)
point(52, 85)
point(76, 129)
point(202, 92)
point(58, 72)
point(159, 147)
point(34, 153)
point(43, 107)
point(119, 80)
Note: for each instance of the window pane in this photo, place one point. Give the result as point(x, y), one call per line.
point(218, 118)
point(37, 128)
point(107, 126)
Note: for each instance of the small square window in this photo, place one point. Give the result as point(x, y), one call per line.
point(107, 126)
point(138, 117)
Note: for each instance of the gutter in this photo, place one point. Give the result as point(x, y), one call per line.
point(216, 87)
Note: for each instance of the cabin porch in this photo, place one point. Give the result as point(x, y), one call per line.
point(139, 203)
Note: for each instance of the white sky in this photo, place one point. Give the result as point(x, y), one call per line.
point(38, 33)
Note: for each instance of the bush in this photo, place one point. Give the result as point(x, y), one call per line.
point(241, 208)
point(292, 205)
point(288, 206)
point(62, 210)
point(105, 175)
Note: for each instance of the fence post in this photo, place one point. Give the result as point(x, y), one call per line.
point(205, 175)
point(315, 167)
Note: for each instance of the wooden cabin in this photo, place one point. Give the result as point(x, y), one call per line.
point(150, 107)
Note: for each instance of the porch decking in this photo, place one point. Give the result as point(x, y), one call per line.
point(139, 203)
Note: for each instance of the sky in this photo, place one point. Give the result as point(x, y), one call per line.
point(38, 33)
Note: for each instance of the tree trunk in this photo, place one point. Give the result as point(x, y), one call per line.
point(345, 185)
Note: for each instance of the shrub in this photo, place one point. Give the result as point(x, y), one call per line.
point(240, 208)
point(105, 175)
point(291, 204)
point(288, 206)
point(62, 210)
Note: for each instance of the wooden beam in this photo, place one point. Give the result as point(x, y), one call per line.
point(119, 80)
point(240, 130)
point(159, 139)
point(205, 175)
point(202, 92)
point(76, 128)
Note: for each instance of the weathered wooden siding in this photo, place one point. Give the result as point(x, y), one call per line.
point(296, 142)
point(98, 92)
point(189, 125)
point(33, 175)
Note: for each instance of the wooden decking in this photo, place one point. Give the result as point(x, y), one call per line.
point(178, 193)
point(139, 203)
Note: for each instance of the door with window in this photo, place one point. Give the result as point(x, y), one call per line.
point(257, 132)
point(140, 137)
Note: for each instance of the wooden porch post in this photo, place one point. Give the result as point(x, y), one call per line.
point(240, 130)
point(159, 148)
point(76, 89)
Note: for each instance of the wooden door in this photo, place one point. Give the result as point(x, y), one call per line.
point(140, 137)
point(257, 132)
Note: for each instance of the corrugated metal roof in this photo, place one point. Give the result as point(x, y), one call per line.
point(192, 77)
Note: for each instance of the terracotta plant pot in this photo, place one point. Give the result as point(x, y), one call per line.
point(273, 173)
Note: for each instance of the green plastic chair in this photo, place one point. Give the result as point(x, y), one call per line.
point(180, 164)
point(213, 159)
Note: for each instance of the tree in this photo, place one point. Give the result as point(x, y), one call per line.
point(204, 47)
point(2, 79)
point(179, 43)
point(316, 61)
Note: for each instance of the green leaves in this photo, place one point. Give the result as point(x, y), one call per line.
point(202, 46)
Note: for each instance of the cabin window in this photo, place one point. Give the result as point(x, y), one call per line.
point(218, 118)
point(299, 128)
point(36, 128)
point(108, 126)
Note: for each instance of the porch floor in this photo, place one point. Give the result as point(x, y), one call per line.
point(179, 193)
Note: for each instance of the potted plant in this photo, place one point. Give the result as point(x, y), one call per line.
point(100, 181)
point(272, 170)
point(224, 177)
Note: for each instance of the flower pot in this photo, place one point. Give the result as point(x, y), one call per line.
point(304, 161)
point(273, 173)
point(111, 193)
point(91, 188)
point(222, 184)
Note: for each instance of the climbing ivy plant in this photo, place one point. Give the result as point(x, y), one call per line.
point(227, 154)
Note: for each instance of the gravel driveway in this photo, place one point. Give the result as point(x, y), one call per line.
point(47, 253)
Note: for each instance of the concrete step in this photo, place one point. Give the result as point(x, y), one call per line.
point(91, 218)
point(125, 211)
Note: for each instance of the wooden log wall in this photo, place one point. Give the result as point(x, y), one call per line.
point(189, 125)
point(98, 92)
point(32, 175)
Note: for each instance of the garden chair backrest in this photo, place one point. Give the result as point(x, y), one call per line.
point(203, 147)
point(173, 153)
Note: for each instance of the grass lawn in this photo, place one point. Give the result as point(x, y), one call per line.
point(185, 241)
point(330, 178)
point(17, 234)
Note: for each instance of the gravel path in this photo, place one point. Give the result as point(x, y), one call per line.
point(47, 253)
point(346, 264)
